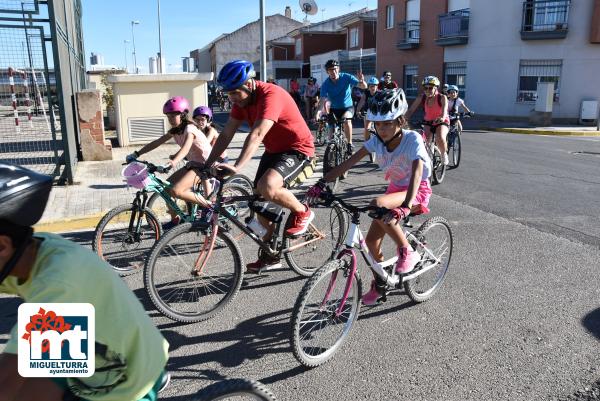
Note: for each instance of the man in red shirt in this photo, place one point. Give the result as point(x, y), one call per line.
point(275, 121)
point(386, 81)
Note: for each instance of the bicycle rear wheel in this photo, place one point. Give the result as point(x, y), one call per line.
point(172, 279)
point(236, 389)
point(125, 249)
point(439, 168)
point(319, 243)
point(436, 236)
point(330, 160)
point(318, 331)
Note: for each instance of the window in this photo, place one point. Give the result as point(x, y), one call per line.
point(411, 85)
point(533, 71)
point(298, 47)
point(389, 17)
point(455, 73)
point(353, 37)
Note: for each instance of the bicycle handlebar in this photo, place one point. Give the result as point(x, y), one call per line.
point(376, 212)
point(153, 168)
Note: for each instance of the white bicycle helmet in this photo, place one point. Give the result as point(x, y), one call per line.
point(387, 105)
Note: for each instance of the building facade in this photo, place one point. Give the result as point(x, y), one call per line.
point(496, 52)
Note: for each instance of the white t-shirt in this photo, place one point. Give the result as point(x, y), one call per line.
point(459, 103)
point(200, 149)
point(397, 165)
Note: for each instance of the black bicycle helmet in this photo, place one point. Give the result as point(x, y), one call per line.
point(331, 63)
point(23, 197)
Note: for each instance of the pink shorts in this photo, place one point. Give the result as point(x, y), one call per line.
point(423, 192)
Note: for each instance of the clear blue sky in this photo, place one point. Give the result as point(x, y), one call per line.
point(185, 24)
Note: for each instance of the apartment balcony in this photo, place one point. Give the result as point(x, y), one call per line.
point(545, 19)
point(453, 28)
point(410, 35)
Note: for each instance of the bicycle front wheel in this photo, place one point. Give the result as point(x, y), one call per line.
point(320, 135)
point(124, 236)
point(319, 325)
point(439, 168)
point(189, 282)
point(435, 236)
point(330, 160)
point(455, 149)
point(236, 389)
point(320, 243)
point(159, 207)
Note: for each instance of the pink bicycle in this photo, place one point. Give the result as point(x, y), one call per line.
point(329, 302)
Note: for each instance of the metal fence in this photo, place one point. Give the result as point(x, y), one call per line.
point(37, 127)
point(455, 73)
point(454, 24)
point(533, 71)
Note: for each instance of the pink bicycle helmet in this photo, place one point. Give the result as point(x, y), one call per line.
point(204, 111)
point(176, 104)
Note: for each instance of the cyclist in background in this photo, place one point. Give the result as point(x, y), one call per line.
point(403, 157)
point(337, 88)
point(361, 108)
point(435, 106)
point(386, 81)
point(455, 104)
point(131, 354)
point(311, 97)
point(194, 146)
point(295, 91)
point(202, 116)
point(276, 123)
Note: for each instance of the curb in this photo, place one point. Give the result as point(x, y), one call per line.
point(69, 224)
point(533, 131)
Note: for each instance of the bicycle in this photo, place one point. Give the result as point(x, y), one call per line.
point(329, 302)
point(185, 287)
point(321, 132)
point(336, 151)
point(438, 168)
point(454, 138)
point(235, 388)
point(127, 232)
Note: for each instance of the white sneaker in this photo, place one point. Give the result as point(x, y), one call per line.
point(445, 159)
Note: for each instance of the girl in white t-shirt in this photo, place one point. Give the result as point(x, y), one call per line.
point(402, 155)
point(194, 146)
point(455, 104)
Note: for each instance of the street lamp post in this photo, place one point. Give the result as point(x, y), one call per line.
point(159, 43)
point(135, 67)
point(125, 41)
point(263, 45)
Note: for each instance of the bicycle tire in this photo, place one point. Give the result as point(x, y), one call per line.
point(241, 180)
point(329, 162)
point(413, 289)
point(235, 387)
point(342, 156)
point(456, 150)
point(305, 260)
point(438, 170)
point(320, 135)
point(133, 249)
point(174, 288)
point(157, 204)
point(307, 354)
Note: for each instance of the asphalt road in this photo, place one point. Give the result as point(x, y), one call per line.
point(518, 317)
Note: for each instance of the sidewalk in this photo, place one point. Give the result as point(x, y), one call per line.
point(525, 128)
point(99, 187)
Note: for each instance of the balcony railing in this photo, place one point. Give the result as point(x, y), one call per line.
point(545, 19)
point(410, 34)
point(453, 28)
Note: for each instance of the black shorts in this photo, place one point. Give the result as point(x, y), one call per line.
point(288, 164)
point(348, 112)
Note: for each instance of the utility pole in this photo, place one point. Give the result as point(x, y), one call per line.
point(263, 46)
point(135, 66)
point(159, 43)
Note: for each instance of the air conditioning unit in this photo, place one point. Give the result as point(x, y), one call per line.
point(589, 112)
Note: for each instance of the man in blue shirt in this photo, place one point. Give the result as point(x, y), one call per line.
point(337, 89)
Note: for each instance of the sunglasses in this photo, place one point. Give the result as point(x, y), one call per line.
point(387, 76)
point(428, 87)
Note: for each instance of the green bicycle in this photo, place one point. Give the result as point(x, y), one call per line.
point(126, 233)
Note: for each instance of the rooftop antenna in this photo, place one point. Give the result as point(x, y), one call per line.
point(308, 7)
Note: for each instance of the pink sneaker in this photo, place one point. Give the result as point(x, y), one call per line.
point(371, 297)
point(407, 260)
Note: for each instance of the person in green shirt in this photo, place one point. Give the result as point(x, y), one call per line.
point(130, 352)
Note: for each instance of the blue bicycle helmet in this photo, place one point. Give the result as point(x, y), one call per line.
point(373, 81)
point(235, 74)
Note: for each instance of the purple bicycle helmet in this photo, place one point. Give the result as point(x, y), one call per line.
point(176, 104)
point(204, 111)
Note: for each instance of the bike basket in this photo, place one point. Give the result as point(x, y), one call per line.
point(136, 175)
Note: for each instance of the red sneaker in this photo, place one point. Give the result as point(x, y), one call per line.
point(263, 263)
point(297, 223)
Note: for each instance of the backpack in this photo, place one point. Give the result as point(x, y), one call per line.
point(438, 96)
